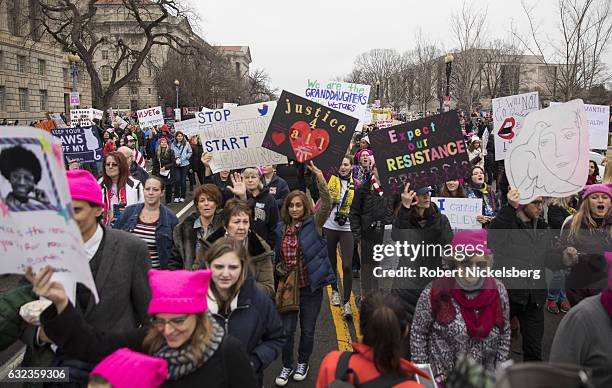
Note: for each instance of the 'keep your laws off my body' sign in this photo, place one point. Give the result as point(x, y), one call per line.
point(233, 136)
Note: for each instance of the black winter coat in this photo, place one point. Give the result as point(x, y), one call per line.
point(255, 322)
point(184, 254)
point(370, 212)
point(195, 162)
point(228, 367)
point(166, 160)
point(265, 215)
point(279, 189)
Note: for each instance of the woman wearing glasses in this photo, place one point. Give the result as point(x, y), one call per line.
point(198, 351)
point(237, 304)
point(118, 188)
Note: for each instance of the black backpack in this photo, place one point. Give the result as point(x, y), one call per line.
point(343, 370)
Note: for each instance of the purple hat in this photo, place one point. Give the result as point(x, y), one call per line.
point(178, 292)
point(597, 188)
point(475, 238)
point(127, 369)
point(84, 187)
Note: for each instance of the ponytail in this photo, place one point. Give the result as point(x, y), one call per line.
point(383, 324)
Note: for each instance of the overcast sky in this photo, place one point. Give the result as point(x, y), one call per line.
point(295, 40)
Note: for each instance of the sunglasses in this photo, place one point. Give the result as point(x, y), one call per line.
point(111, 164)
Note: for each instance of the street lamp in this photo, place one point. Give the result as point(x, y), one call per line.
point(74, 60)
point(377, 90)
point(239, 98)
point(177, 83)
point(448, 59)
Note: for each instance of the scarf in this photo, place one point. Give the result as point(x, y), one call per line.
point(375, 186)
point(183, 361)
point(488, 199)
point(480, 314)
point(335, 189)
point(606, 300)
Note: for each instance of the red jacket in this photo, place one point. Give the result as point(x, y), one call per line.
point(363, 365)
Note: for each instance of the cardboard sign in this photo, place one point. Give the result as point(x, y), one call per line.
point(189, 127)
point(80, 144)
point(423, 152)
point(39, 229)
point(177, 114)
point(121, 122)
point(598, 121)
point(81, 117)
point(304, 130)
point(508, 116)
point(227, 105)
point(461, 212)
point(382, 124)
point(150, 117)
point(97, 113)
point(550, 157)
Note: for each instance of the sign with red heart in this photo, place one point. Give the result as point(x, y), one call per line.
point(305, 131)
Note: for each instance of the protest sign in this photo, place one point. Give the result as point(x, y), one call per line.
point(508, 116)
point(121, 122)
point(550, 156)
point(423, 152)
point(151, 116)
point(233, 136)
point(57, 119)
point(344, 97)
point(81, 117)
point(304, 130)
point(177, 114)
point(227, 105)
point(39, 229)
point(382, 124)
point(80, 144)
point(598, 121)
point(97, 113)
point(461, 212)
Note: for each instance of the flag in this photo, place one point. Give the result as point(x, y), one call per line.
point(138, 158)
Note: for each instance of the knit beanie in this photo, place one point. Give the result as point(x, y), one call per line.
point(597, 188)
point(84, 187)
point(475, 238)
point(127, 369)
point(178, 292)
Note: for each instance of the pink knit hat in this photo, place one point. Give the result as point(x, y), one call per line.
point(127, 369)
point(609, 260)
point(178, 292)
point(475, 238)
point(598, 188)
point(84, 187)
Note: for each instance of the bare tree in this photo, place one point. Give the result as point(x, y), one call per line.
point(80, 27)
point(469, 29)
point(378, 65)
point(425, 69)
point(258, 88)
point(576, 57)
point(501, 68)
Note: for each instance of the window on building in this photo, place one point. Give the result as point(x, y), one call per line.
point(13, 8)
point(22, 62)
point(2, 98)
point(238, 69)
point(133, 90)
point(150, 69)
point(42, 67)
point(65, 74)
point(1, 60)
point(44, 100)
point(149, 90)
point(105, 74)
point(36, 28)
point(23, 100)
point(104, 54)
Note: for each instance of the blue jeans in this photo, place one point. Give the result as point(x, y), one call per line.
point(556, 290)
point(180, 181)
point(310, 306)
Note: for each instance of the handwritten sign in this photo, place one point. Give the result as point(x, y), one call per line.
point(461, 212)
point(304, 130)
point(81, 117)
point(344, 97)
point(80, 144)
point(598, 121)
point(550, 157)
point(150, 117)
point(233, 136)
point(39, 229)
point(423, 152)
point(508, 116)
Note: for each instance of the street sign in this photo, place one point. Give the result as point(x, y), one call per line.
point(177, 114)
point(75, 99)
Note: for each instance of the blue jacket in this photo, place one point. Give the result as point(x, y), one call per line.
point(314, 249)
point(255, 322)
point(182, 152)
point(163, 233)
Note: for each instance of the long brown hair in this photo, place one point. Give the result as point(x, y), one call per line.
point(200, 337)
point(607, 178)
point(446, 193)
point(584, 216)
point(124, 170)
point(308, 211)
point(383, 323)
point(217, 249)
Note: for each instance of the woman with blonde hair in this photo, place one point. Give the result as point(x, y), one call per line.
point(163, 163)
point(196, 348)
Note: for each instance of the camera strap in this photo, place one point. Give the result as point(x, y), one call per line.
point(345, 196)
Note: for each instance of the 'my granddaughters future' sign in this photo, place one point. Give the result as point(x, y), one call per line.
point(423, 152)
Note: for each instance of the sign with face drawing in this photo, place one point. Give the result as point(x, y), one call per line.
point(550, 157)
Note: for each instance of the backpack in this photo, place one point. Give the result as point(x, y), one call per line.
point(343, 370)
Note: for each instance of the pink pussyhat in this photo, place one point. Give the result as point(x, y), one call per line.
point(127, 369)
point(178, 292)
point(609, 260)
point(84, 187)
point(597, 188)
point(477, 239)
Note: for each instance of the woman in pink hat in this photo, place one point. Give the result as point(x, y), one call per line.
point(462, 314)
point(584, 238)
point(197, 350)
